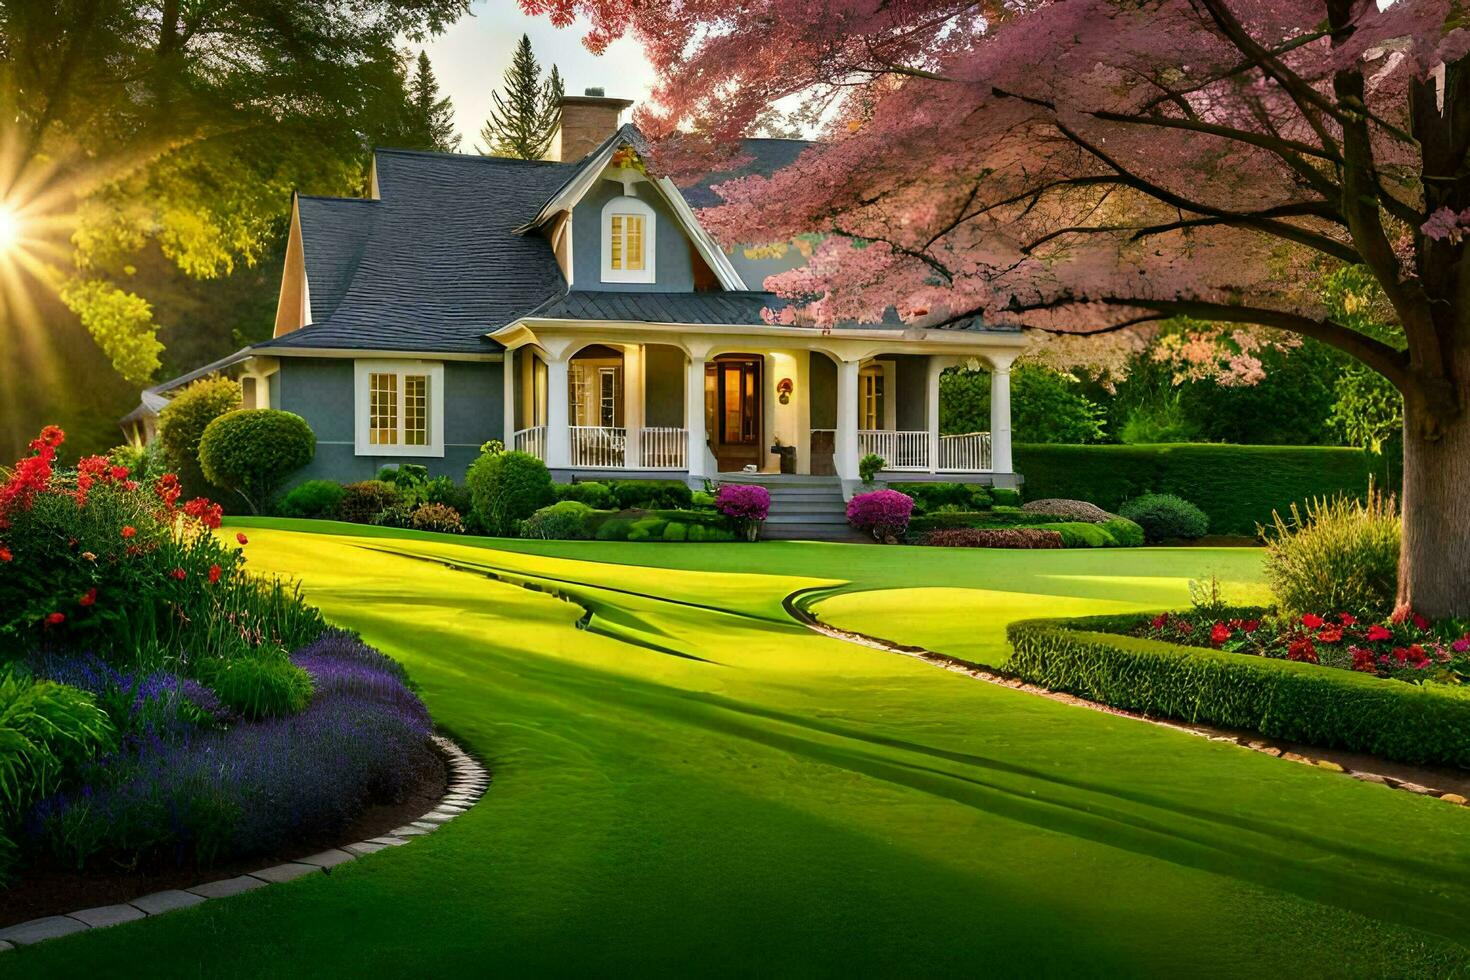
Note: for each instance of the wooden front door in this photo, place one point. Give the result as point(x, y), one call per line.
point(733, 411)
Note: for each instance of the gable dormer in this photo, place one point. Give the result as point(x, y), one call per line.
point(613, 226)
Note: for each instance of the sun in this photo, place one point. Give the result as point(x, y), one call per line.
point(9, 229)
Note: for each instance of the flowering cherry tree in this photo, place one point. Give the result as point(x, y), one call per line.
point(1092, 167)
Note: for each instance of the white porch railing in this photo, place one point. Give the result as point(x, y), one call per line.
point(598, 445)
point(532, 440)
point(901, 450)
point(664, 447)
point(967, 453)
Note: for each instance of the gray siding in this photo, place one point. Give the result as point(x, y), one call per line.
point(911, 374)
point(672, 266)
point(663, 399)
point(320, 391)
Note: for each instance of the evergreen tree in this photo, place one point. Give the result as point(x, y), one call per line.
point(522, 122)
point(430, 118)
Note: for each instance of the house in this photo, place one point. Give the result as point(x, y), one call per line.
point(575, 309)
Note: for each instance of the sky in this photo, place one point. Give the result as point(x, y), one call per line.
point(471, 57)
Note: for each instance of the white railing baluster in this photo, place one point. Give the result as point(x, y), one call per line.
point(664, 447)
point(901, 450)
point(531, 440)
point(967, 453)
point(598, 445)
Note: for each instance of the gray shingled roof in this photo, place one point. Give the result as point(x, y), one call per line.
point(700, 308)
point(435, 263)
point(333, 233)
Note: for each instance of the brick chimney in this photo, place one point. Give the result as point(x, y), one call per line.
point(586, 120)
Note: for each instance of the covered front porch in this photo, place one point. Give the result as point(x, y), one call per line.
point(698, 401)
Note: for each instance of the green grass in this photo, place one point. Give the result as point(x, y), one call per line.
point(695, 784)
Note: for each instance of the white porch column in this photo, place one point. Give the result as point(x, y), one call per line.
point(1000, 415)
point(508, 389)
point(846, 456)
point(558, 431)
point(695, 451)
point(633, 387)
point(936, 367)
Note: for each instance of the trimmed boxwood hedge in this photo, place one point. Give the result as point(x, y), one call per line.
point(1237, 486)
point(1297, 702)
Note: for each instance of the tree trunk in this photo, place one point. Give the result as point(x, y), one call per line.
point(1434, 561)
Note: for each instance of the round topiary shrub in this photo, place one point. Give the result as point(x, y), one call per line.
point(252, 451)
point(314, 498)
point(1125, 532)
point(566, 520)
point(181, 426)
point(747, 506)
point(1164, 516)
point(882, 513)
point(437, 517)
point(507, 488)
point(363, 502)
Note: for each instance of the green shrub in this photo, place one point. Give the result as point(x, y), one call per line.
point(1238, 487)
point(614, 529)
point(405, 476)
point(45, 729)
point(507, 488)
point(1343, 556)
point(1164, 517)
point(1125, 532)
point(443, 490)
point(437, 517)
point(252, 451)
point(947, 520)
point(869, 466)
point(674, 531)
point(593, 494)
point(259, 686)
point(314, 498)
point(362, 502)
point(145, 463)
point(181, 426)
point(650, 494)
point(702, 499)
point(1080, 534)
point(647, 529)
point(1005, 496)
point(1297, 702)
point(566, 520)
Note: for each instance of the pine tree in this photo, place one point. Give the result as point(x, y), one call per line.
point(522, 122)
point(430, 123)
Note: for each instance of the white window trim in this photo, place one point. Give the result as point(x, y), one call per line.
point(630, 205)
point(362, 370)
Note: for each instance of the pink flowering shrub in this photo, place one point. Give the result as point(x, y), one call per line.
point(883, 513)
point(748, 506)
point(90, 558)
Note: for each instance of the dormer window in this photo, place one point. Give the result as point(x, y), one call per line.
point(629, 230)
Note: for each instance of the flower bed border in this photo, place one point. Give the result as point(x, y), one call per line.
point(468, 780)
point(796, 605)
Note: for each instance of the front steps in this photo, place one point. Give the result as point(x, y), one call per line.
point(809, 508)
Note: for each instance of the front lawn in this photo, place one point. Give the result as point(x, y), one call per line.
point(697, 783)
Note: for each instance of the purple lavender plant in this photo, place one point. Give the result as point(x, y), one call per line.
point(254, 787)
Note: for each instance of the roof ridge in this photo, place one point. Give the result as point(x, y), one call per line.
point(478, 157)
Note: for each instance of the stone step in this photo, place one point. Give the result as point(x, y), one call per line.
point(808, 507)
point(812, 532)
point(833, 519)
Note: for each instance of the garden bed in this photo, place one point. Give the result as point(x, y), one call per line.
point(1288, 699)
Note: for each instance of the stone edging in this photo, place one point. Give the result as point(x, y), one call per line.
point(1001, 679)
point(467, 782)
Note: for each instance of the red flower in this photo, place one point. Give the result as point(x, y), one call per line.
point(119, 472)
point(240, 537)
point(1348, 619)
point(1219, 634)
point(1376, 633)
point(1400, 654)
point(89, 599)
point(1311, 621)
point(1332, 634)
point(214, 571)
point(5, 554)
point(1417, 656)
point(129, 531)
point(1160, 620)
point(1250, 625)
point(179, 574)
point(1301, 649)
point(55, 619)
point(1419, 621)
point(1363, 660)
point(201, 509)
